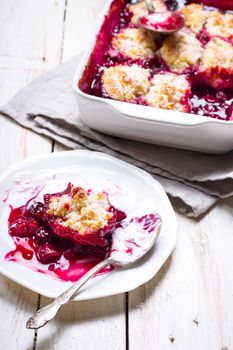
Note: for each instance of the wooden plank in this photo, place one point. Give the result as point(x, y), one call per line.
point(216, 231)
point(17, 143)
point(80, 23)
point(30, 43)
point(92, 325)
point(189, 304)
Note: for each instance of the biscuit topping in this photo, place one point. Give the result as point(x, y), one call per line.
point(135, 43)
point(180, 51)
point(83, 211)
point(169, 91)
point(218, 53)
point(195, 17)
point(125, 83)
point(220, 24)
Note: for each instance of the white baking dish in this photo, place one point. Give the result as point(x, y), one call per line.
point(148, 124)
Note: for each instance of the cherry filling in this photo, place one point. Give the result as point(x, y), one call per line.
point(221, 4)
point(37, 232)
point(204, 100)
point(211, 103)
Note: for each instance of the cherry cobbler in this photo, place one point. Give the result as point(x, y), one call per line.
point(188, 71)
point(67, 224)
point(65, 234)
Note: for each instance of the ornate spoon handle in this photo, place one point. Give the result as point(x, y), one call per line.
point(48, 312)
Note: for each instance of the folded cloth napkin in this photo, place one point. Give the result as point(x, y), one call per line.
point(194, 181)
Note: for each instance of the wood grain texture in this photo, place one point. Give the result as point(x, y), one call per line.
point(189, 304)
point(81, 18)
point(30, 41)
point(28, 46)
point(92, 325)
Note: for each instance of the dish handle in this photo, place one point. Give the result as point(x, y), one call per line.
point(159, 115)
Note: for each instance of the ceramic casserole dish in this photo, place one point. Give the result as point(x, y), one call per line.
point(135, 121)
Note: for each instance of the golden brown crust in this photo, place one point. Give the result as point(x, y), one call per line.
point(181, 50)
point(195, 17)
point(218, 53)
point(135, 43)
point(125, 83)
point(220, 24)
point(83, 212)
point(167, 91)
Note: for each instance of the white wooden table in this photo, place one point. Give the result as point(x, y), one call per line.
point(189, 304)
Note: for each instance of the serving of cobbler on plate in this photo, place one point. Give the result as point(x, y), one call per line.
point(188, 71)
point(68, 232)
point(66, 225)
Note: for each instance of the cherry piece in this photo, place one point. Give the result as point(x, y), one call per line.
point(19, 228)
point(47, 254)
point(37, 211)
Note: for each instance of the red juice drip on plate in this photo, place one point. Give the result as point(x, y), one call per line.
point(22, 249)
point(65, 270)
point(7, 196)
point(75, 269)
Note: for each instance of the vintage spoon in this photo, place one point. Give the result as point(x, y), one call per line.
point(130, 243)
point(166, 22)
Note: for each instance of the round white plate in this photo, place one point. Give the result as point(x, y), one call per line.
point(130, 189)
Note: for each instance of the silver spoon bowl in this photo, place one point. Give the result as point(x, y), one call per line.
point(166, 22)
point(141, 236)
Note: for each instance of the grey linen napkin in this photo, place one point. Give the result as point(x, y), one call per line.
point(194, 181)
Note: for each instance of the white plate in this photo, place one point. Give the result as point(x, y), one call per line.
point(130, 189)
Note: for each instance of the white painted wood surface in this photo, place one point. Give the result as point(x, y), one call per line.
point(189, 304)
